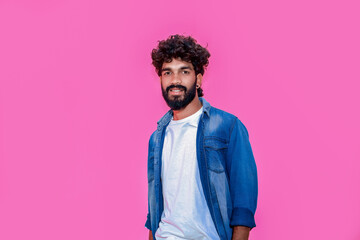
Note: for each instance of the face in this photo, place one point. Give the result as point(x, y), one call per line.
point(178, 83)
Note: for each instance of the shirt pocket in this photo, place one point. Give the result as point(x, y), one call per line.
point(150, 167)
point(215, 153)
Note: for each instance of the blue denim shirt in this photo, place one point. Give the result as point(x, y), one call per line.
point(227, 171)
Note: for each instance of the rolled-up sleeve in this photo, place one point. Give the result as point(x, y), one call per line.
point(148, 224)
point(242, 172)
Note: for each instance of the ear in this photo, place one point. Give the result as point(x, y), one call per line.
point(199, 79)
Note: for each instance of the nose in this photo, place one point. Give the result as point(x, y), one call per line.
point(175, 80)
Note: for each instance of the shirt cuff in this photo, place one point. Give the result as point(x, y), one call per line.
point(242, 217)
point(147, 224)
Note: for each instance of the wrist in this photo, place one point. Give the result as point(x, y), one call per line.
point(240, 233)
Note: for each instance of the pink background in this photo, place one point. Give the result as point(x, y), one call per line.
point(79, 99)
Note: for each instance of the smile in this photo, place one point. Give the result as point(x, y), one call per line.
point(176, 92)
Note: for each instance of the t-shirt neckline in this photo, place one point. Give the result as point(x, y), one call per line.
point(187, 119)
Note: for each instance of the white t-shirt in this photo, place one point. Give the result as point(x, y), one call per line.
point(186, 214)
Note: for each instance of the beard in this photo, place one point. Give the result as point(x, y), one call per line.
point(179, 102)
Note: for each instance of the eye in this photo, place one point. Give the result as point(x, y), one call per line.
point(186, 72)
point(166, 73)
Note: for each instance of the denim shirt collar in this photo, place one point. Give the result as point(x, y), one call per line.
point(167, 117)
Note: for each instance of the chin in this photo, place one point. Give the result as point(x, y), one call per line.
point(178, 98)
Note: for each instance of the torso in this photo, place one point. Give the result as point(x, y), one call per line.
point(186, 214)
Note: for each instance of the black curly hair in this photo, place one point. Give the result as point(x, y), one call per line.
point(185, 48)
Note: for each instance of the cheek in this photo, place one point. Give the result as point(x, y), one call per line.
point(189, 82)
point(165, 82)
point(163, 85)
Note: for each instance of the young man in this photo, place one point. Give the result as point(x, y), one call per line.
point(202, 178)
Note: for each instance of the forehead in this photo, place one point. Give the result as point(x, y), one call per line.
point(177, 63)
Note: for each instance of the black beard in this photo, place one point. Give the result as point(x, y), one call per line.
point(177, 103)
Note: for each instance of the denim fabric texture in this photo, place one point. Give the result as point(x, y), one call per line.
point(227, 171)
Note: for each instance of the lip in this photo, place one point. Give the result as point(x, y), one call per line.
point(176, 91)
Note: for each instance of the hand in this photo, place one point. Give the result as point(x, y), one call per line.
point(240, 233)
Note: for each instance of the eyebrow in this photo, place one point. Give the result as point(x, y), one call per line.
point(182, 68)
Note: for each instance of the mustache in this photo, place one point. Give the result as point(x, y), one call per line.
point(176, 86)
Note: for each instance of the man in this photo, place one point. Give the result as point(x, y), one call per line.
point(202, 178)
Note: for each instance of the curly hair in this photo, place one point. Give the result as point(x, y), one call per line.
point(185, 48)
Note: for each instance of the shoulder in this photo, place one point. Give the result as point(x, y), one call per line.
point(222, 116)
point(222, 113)
point(225, 119)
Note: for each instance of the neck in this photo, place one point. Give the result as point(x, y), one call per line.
point(189, 110)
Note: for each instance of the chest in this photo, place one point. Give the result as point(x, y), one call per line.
point(179, 151)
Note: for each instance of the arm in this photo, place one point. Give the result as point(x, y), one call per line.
point(242, 172)
point(150, 235)
point(148, 218)
point(240, 233)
